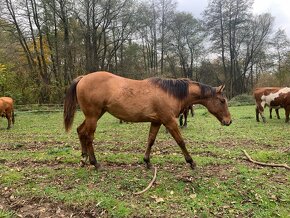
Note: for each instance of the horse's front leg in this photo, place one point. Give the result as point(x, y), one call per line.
point(174, 131)
point(154, 128)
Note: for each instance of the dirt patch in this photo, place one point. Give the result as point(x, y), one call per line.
point(247, 143)
point(221, 171)
point(53, 164)
point(43, 207)
point(118, 146)
point(33, 145)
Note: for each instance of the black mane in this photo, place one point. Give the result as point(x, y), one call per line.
point(176, 87)
point(179, 87)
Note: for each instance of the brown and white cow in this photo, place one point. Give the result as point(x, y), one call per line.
point(273, 97)
point(277, 112)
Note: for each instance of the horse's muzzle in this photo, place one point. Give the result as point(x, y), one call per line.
point(226, 123)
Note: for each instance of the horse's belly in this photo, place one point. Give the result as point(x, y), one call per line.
point(133, 114)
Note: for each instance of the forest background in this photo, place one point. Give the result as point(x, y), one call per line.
point(45, 44)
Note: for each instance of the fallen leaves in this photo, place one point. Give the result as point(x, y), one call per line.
point(157, 199)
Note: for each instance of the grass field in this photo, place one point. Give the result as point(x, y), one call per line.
point(40, 174)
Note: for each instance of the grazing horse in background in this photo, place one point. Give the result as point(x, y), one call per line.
point(155, 100)
point(184, 113)
point(273, 97)
point(7, 110)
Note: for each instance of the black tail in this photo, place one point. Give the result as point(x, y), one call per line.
point(70, 104)
point(13, 119)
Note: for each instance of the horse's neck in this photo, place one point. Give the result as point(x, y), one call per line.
point(196, 96)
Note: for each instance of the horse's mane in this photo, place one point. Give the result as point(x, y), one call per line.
point(206, 90)
point(179, 87)
point(176, 87)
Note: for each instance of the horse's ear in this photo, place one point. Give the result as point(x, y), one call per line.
point(220, 89)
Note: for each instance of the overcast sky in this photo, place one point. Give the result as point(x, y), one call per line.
point(280, 9)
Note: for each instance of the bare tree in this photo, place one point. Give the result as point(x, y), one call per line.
point(238, 36)
point(186, 41)
point(281, 46)
point(105, 27)
point(253, 47)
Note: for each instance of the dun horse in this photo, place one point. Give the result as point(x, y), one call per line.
point(7, 110)
point(154, 100)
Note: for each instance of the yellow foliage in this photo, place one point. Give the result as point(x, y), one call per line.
point(2, 68)
point(37, 50)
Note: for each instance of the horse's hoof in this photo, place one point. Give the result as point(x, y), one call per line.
point(193, 165)
point(148, 166)
point(97, 166)
point(147, 162)
point(82, 163)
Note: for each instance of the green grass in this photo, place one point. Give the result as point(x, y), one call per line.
point(38, 160)
point(6, 214)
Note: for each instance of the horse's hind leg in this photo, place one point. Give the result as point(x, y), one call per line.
point(185, 113)
point(13, 116)
point(174, 131)
point(82, 139)
point(181, 120)
point(86, 135)
point(191, 110)
point(154, 128)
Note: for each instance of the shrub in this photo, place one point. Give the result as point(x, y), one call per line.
point(243, 99)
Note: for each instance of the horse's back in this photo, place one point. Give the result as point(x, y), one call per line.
point(126, 99)
point(103, 89)
point(6, 103)
point(102, 86)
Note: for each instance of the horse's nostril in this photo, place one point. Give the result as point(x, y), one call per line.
point(225, 123)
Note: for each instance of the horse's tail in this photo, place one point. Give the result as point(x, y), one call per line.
point(13, 118)
point(70, 104)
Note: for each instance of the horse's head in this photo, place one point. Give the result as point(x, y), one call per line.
point(218, 106)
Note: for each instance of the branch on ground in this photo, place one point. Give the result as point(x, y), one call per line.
point(265, 164)
point(150, 184)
